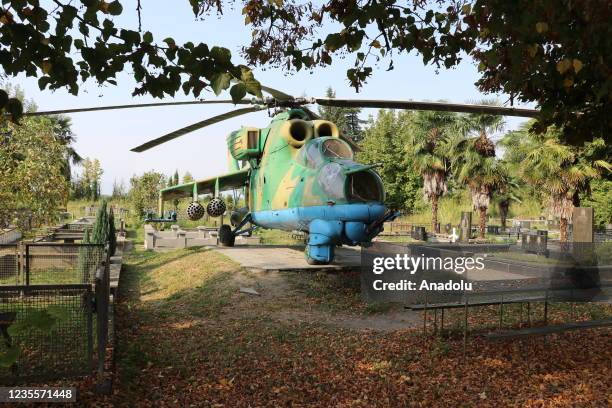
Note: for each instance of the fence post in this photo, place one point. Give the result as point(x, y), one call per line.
point(90, 298)
point(102, 305)
point(27, 264)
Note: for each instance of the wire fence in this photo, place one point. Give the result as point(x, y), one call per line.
point(54, 263)
point(10, 266)
point(46, 330)
point(49, 293)
point(49, 263)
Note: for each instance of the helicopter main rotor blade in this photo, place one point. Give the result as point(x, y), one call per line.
point(430, 106)
point(198, 125)
point(276, 94)
point(313, 116)
point(131, 106)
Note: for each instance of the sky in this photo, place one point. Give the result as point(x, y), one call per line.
point(109, 136)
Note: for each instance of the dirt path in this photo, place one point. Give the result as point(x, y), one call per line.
point(280, 293)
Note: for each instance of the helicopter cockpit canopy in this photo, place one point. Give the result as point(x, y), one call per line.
point(318, 150)
point(336, 149)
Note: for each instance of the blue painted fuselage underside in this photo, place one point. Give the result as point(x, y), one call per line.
point(299, 218)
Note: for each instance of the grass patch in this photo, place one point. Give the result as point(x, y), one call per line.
point(164, 293)
point(186, 281)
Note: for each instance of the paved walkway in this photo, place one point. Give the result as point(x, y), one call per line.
point(285, 258)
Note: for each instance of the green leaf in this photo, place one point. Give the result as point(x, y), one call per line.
point(254, 88)
point(333, 42)
point(221, 55)
point(252, 85)
point(115, 8)
point(130, 36)
point(43, 82)
point(170, 41)
point(9, 358)
point(59, 313)
point(147, 37)
point(221, 82)
point(238, 92)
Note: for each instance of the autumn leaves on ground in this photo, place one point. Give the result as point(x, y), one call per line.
point(186, 336)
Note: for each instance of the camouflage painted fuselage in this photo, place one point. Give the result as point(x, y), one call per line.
point(303, 177)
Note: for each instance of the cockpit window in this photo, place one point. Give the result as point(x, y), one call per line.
point(315, 152)
point(310, 156)
point(364, 186)
point(331, 179)
point(336, 149)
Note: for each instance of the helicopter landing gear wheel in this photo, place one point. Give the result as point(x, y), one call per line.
point(226, 237)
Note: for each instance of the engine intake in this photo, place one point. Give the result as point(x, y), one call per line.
point(296, 132)
point(324, 128)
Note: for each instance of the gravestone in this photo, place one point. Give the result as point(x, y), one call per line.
point(419, 233)
point(582, 224)
point(465, 226)
point(535, 242)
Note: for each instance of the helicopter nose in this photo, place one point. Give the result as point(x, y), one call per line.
point(364, 186)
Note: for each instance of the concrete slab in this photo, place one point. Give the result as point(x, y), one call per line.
point(115, 274)
point(286, 258)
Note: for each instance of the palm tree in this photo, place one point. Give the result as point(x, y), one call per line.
point(430, 142)
point(507, 192)
point(62, 126)
point(560, 171)
point(478, 169)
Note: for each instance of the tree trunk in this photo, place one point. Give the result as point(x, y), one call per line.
point(563, 229)
point(483, 221)
point(434, 212)
point(503, 213)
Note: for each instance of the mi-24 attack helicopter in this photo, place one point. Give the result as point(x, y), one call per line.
point(298, 173)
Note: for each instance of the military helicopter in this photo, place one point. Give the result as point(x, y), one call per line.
point(298, 173)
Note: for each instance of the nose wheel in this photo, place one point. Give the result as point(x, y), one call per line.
point(226, 236)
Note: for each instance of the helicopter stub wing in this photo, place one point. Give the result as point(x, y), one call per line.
point(214, 185)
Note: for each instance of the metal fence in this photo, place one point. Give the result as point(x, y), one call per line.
point(55, 263)
point(10, 264)
point(49, 263)
point(49, 294)
point(49, 330)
